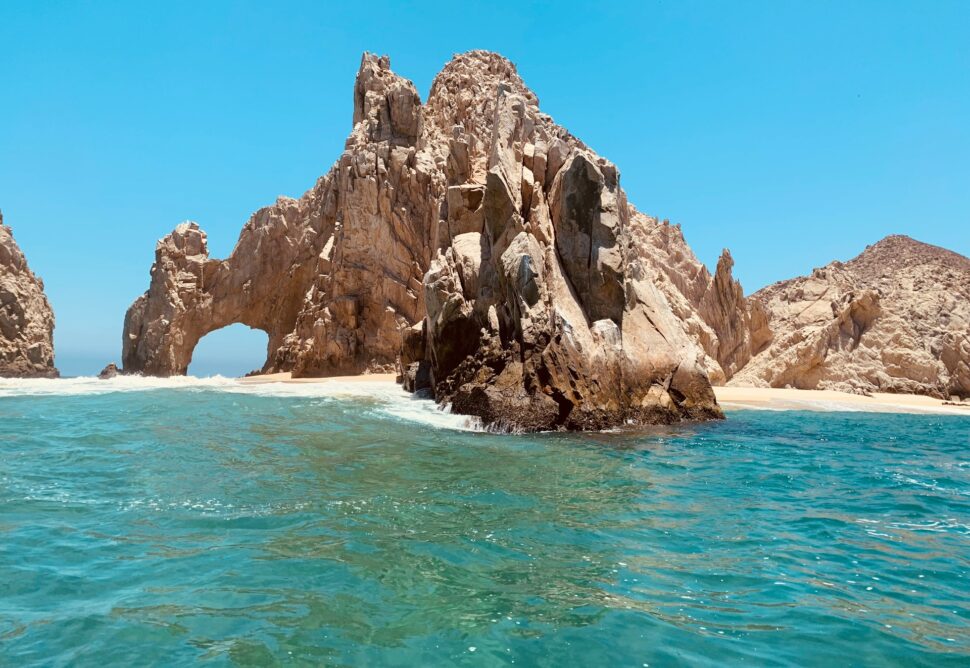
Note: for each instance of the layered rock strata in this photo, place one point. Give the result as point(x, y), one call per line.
point(26, 318)
point(894, 319)
point(478, 245)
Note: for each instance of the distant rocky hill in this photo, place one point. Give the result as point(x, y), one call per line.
point(894, 319)
point(26, 319)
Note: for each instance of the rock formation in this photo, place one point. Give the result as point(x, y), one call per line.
point(541, 310)
point(26, 318)
point(108, 372)
point(333, 277)
point(477, 244)
point(894, 319)
point(492, 258)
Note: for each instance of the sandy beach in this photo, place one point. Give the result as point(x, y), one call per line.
point(829, 400)
point(764, 398)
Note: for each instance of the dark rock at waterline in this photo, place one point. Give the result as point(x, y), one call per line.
point(109, 371)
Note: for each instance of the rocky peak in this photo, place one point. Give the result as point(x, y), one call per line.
point(386, 107)
point(26, 318)
point(465, 92)
point(741, 325)
point(897, 252)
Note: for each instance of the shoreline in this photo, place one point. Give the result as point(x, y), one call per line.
point(730, 397)
point(771, 398)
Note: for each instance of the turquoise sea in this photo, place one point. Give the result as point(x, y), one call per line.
point(147, 522)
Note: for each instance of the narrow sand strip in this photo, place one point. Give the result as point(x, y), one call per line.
point(731, 397)
point(288, 378)
point(829, 400)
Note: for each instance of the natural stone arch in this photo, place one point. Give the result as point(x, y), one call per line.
point(334, 278)
point(192, 294)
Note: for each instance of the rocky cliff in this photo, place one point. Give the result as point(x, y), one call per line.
point(26, 318)
point(480, 246)
point(894, 319)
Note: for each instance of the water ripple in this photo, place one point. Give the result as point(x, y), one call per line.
point(196, 523)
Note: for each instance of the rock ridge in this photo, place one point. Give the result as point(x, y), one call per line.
point(490, 257)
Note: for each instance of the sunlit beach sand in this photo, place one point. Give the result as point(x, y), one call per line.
point(828, 400)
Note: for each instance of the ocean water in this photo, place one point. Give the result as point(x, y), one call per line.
point(147, 522)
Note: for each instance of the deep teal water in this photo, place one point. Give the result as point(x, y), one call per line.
point(174, 526)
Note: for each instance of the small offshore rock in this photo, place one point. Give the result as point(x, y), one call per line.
point(109, 371)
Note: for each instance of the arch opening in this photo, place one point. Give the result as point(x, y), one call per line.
point(231, 351)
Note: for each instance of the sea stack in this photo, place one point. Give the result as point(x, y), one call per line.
point(894, 319)
point(473, 245)
point(26, 318)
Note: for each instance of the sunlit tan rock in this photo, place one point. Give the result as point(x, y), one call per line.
point(26, 318)
point(894, 319)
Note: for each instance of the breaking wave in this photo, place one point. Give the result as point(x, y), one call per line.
point(385, 396)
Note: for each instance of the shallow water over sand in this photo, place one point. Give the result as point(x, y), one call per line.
point(176, 521)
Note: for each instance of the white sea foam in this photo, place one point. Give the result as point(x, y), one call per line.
point(386, 397)
point(81, 385)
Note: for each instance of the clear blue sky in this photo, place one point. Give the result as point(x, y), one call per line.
point(793, 133)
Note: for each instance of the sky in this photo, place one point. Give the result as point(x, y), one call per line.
point(793, 133)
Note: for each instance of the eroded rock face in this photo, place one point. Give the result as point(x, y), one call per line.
point(109, 371)
point(894, 319)
point(474, 240)
point(26, 318)
point(542, 312)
